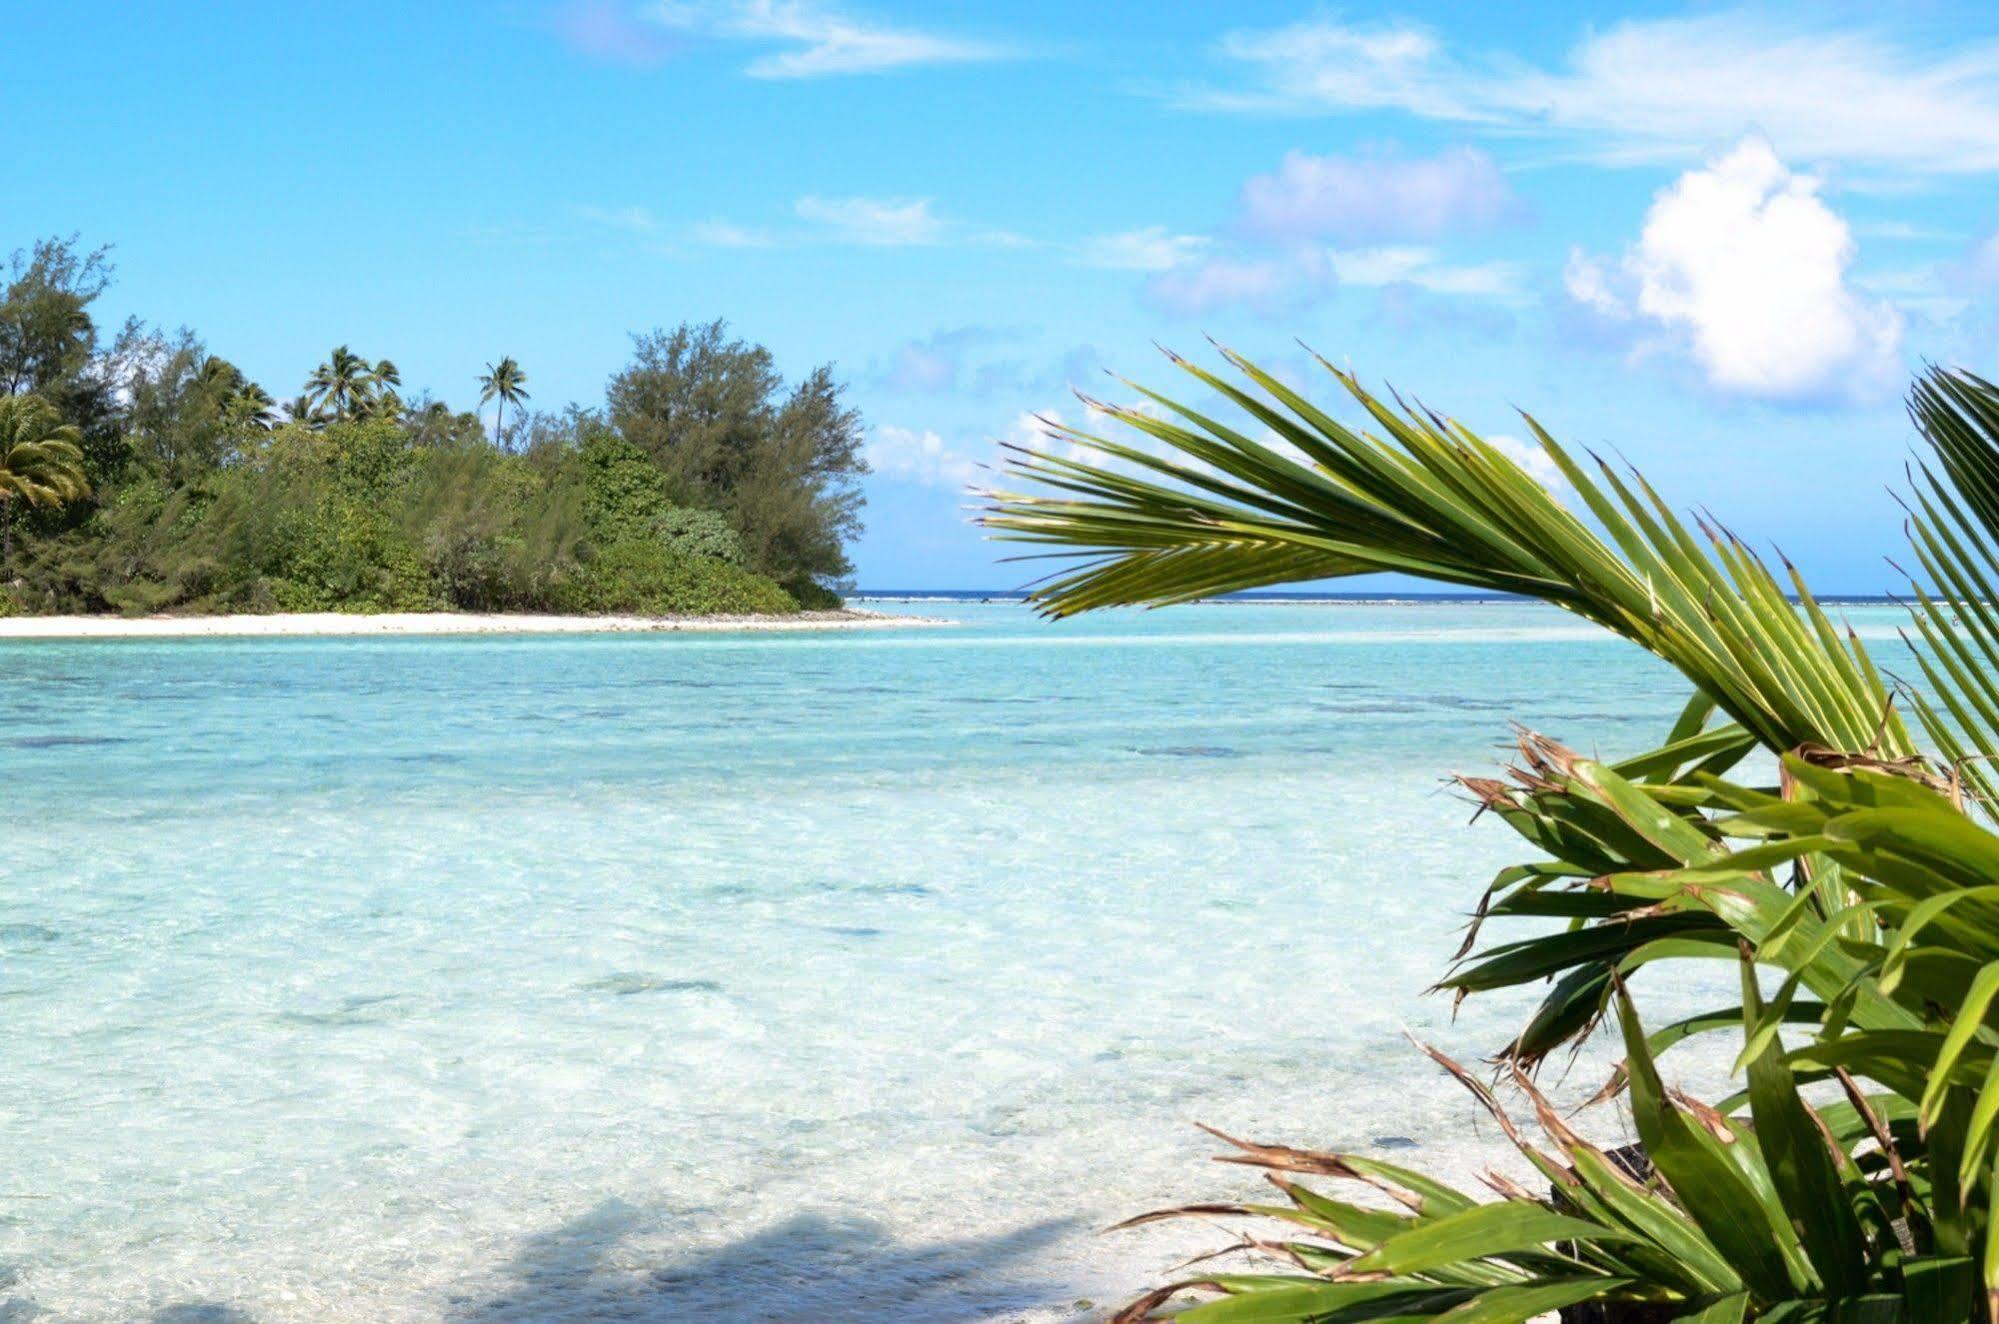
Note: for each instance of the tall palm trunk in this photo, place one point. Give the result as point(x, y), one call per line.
point(6, 533)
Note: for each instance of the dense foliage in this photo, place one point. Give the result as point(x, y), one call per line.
point(147, 474)
point(1853, 1177)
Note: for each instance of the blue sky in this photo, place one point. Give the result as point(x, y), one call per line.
point(1716, 239)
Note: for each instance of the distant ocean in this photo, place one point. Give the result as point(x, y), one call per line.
point(734, 977)
point(1276, 596)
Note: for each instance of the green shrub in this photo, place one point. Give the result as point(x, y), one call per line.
point(495, 531)
point(346, 557)
point(624, 492)
point(814, 596)
point(700, 533)
point(643, 577)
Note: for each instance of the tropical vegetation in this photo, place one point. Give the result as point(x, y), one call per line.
point(41, 463)
point(1824, 828)
point(139, 473)
point(506, 383)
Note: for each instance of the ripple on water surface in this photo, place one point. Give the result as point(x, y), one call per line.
point(722, 977)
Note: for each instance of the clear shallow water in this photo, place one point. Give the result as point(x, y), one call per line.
point(734, 977)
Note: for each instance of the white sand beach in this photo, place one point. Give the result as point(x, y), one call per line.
point(437, 622)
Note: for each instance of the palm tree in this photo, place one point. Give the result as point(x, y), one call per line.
point(502, 382)
point(254, 404)
point(41, 462)
point(304, 409)
point(384, 401)
point(344, 384)
point(237, 395)
point(1863, 883)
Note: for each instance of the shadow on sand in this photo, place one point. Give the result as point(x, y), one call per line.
point(808, 1267)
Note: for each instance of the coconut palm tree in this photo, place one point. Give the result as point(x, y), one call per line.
point(238, 396)
point(254, 405)
point(384, 399)
point(304, 409)
point(502, 382)
point(344, 385)
point(1863, 884)
point(41, 462)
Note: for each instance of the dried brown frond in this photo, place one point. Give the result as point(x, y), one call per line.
point(1183, 1211)
point(1141, 1310)
point(1914, 767)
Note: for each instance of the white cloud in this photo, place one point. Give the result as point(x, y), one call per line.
point(1540, 466)
point(1656, 89)
point(909, 456)
point(1264, 284)
point(1367, 199)
point(1003, 239)
point(1273, 259)
point(1588, 281)
point(1323, 64)
point(1039, 430)
point(727, 234)
point(1491, 280)
point(1153, 248)
point(1421, 267)
point(1032, 429)
point(816, 41)
point(1935, 292)
point(1905, 230)
point(1744, 265)
point(880, 222)
point(636, 220)
point(1380, 266)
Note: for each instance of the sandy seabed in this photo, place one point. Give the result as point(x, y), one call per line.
point(439, 622)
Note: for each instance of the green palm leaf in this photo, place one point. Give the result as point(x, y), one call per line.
point(1293, 494)
point(1954, 530)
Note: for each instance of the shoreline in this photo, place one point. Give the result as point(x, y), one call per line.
point(324, 624)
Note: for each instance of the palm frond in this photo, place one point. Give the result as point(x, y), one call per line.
point(1292, 494)
point(1954, 531)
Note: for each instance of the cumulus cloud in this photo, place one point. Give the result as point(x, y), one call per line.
point(909, 456)
point(1742, 264)
point(814, 41)
point(1368, 199)
point(878, 222)
point(1655, 89)
point(1153, 248)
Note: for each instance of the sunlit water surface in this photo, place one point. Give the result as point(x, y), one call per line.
point(838, 976)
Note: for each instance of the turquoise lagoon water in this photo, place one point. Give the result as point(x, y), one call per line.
point(834, 976)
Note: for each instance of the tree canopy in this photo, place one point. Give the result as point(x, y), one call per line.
point(780, 462)
point(704, 482)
